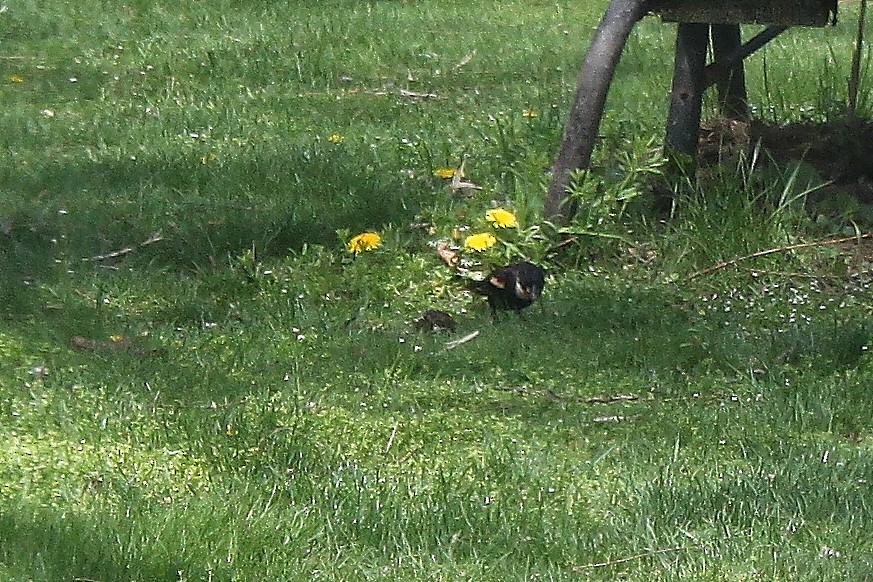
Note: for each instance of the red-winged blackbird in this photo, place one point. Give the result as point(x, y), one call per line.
point(514, 286)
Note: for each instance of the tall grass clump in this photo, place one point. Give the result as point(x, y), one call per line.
point(754, 205)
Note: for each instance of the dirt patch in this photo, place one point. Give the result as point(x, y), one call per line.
point(840, 151)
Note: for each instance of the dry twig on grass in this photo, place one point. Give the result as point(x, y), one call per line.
point(455, 343)
point(632, 558)
point(818, 243)
point(121, 252)
point(557, 397)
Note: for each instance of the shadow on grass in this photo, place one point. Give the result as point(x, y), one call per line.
point(54, 545)
point(270, 201)
point(266, 202)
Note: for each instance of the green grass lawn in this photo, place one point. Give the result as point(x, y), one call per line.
point(241, 398)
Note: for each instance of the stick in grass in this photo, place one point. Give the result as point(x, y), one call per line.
point(453, 344)
point(818, 243)
point(855, 76)
point(391, 438)
point(632, 558)
point(121, 252)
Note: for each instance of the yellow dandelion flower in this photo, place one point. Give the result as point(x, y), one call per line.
point(16, 79)
point(501, 218)
point(335, 137)
point(444, 172)
point(480, 242)
point(366, 241)
point(530, 113)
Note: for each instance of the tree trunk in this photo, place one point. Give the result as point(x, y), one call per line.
point(583, 123)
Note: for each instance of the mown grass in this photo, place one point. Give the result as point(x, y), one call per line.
point(244, 400)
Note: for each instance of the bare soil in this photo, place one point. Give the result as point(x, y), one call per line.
point(840, 151)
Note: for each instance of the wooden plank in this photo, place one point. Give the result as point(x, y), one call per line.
point(784, 13)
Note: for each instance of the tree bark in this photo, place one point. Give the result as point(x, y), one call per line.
point(583, 123)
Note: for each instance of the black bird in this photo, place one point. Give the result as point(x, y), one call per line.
point(513, 287)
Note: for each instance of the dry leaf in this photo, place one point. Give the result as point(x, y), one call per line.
point(448, 255)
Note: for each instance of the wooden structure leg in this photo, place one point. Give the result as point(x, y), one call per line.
point(726, 62)
point(691, 77)
point(731, 87)
point(583, 123)
point(683, 119)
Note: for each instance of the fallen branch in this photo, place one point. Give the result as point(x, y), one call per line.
point(632, 558)
point(385, 93)
point(407, 93)
point(453, 344)
point(608, 399)
point(556, 397)
point(121, 252)
point(818, 243)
